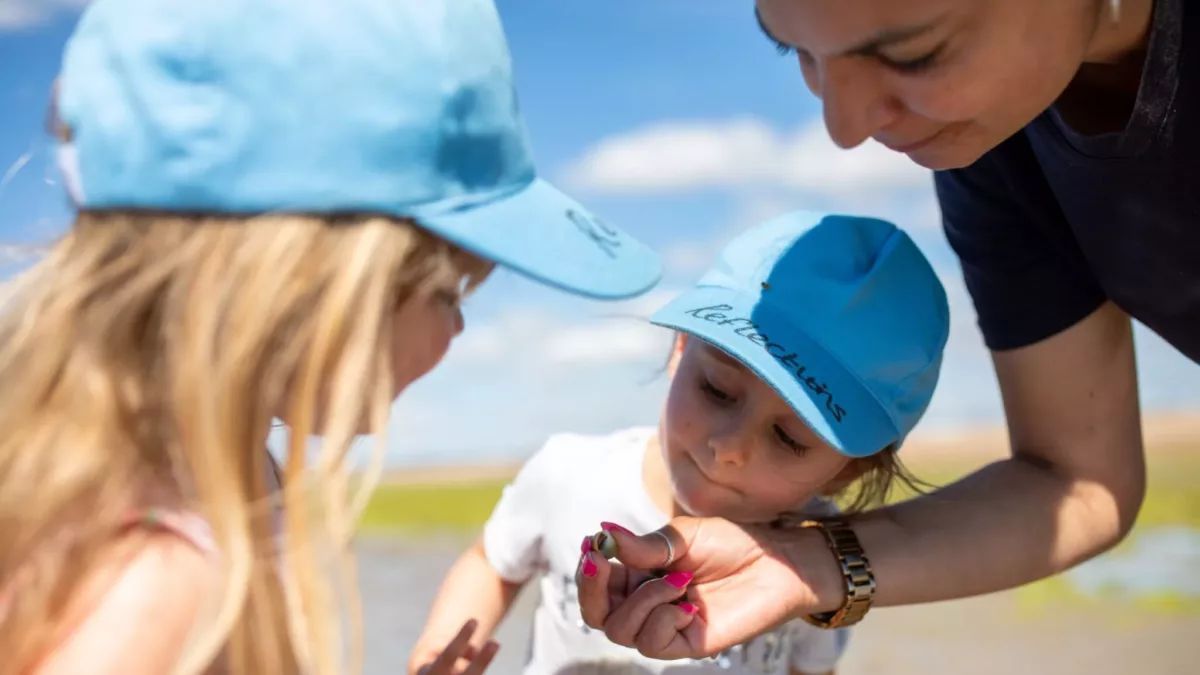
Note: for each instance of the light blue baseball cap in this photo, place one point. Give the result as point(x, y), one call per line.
point(843, 316)
point(399, 107)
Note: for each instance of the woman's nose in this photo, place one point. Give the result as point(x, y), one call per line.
point(855, 101)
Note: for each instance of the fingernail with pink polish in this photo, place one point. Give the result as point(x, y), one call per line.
point(585, 546)
point(678, 579)
point(589, 567)
point(613, 527)
point(688, 607)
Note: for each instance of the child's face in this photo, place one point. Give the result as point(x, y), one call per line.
point(421, 334)
point(422, 331)
point(733, 447)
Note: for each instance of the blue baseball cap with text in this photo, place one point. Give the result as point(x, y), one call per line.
point(405, 108)
point(842, 316)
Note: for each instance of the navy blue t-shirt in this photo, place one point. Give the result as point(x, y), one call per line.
point(1051, 223)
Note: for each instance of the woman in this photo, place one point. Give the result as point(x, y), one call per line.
point(1064, 165)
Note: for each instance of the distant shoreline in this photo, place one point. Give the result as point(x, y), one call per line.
point(1165, 434)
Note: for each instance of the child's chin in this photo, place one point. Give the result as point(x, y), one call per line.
point(703, 503)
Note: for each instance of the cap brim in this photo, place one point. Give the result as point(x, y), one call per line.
point(831, 400)
point(542, 233)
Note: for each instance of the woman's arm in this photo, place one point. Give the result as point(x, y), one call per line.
point(472, 590)
point(1070, 491)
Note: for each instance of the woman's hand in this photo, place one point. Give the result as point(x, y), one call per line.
point(731, 583)
point(458, 658)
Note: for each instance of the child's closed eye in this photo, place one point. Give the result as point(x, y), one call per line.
point(707, 387)
point(787, 441)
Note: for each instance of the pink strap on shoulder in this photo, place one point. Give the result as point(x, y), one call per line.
point(185, 524)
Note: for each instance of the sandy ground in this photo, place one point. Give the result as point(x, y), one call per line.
point(1164, 433)
point(982, 636)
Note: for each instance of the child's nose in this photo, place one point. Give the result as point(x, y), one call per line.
point(730, 448)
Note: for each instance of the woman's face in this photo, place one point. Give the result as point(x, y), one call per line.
point(942, 81)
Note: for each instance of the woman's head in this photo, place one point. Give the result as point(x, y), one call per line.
point(811, 350)
point(945, 80)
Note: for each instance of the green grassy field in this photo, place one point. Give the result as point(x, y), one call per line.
point(1173, 498)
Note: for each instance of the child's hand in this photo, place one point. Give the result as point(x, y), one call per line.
point(460, 657)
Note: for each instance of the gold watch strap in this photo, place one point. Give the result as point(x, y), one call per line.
point(856, 571)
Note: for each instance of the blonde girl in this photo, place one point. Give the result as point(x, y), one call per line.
point(281, 204)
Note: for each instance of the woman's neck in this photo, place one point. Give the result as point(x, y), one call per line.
point(1102, 96)
point(1122, 38)
point(656, 478)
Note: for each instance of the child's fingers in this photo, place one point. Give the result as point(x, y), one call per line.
point(483, 659)
point(454, 650)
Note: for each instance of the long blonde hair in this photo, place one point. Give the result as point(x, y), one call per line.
point(155, 350)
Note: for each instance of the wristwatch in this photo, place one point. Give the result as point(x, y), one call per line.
point(856, 572)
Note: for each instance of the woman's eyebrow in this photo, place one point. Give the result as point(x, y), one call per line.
point(884, 38)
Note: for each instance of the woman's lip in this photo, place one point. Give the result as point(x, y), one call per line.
point(913, 147)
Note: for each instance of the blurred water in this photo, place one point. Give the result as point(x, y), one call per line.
point(399, 580)
point(1162, 560)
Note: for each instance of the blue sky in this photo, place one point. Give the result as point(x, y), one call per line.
point(673, 118)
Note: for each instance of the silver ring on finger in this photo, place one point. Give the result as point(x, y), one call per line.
point(670, 549)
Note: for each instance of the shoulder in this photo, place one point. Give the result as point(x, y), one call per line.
point(1008, 177)
point(152, 579)
point(573, 450)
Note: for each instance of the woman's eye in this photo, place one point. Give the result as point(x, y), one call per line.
point(715, 393)
point(914, 66)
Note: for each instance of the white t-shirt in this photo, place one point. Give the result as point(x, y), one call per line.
point(560, 496)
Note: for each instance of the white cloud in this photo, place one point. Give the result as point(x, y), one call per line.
point(739, 153)
point(18, 15)
point(540, 342)
point(633, 341)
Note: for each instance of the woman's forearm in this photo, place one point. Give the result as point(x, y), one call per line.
point(1011, 523)
point(1071, 490)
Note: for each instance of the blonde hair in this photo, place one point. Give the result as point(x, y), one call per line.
point(155, 349)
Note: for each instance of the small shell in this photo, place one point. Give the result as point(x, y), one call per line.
point(604, 544)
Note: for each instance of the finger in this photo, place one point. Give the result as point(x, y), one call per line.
point(663, 627)
point(650, 550)
point(483, 659)
point(627, 619)
point(592, 580)
point(455, 648)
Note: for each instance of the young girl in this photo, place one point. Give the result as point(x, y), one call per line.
point(281, 205)
point(803, 360)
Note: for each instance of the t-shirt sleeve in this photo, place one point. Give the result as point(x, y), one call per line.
point(1022, 265)
point(512, 536)
point(817, 650)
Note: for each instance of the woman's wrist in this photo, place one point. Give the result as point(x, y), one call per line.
point(820, 585)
